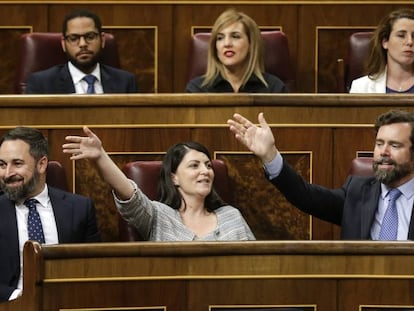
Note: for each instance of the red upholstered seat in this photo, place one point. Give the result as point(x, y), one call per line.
point(42, 50)
point(146, 175)
point(359, 47)
point(361, 166)
point(277, 57)
point(56, 175)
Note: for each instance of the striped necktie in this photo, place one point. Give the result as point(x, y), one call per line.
point(389, 226)
point(90, 79)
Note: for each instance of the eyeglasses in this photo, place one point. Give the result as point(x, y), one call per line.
point(88, 37)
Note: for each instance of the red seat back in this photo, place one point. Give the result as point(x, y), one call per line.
point(359, 48)
point(361, 166)
point(146, 175)
point(277, 57)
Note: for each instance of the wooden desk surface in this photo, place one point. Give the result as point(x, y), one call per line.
point(310, 275)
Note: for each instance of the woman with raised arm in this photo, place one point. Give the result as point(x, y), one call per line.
point(188, 209)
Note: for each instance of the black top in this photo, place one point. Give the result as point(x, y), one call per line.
point(391, 91)
point(253, 85)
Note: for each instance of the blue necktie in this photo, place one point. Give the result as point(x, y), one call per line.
point(389, 227)
point(34, 225)
point(90, 79)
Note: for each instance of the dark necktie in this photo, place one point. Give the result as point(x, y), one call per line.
point(90, 79)
point(389, 227)
point(34, 225)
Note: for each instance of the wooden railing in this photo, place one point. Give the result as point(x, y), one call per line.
point(195, 109)
point(313, 275)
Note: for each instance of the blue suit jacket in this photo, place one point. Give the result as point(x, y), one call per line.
point(75, 221)
point(57, 80)
point(353, 206)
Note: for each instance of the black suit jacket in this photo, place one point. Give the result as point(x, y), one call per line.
point(353, 206)
point(57, 80)
point(75, 220)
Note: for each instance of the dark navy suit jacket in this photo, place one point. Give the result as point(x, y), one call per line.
point(75, 220)
point(57, 80)
point(353, 206)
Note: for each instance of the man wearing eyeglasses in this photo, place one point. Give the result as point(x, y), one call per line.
point(83, 42)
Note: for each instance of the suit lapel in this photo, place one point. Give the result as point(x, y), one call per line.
point(107, 81)
point(9, 242)
point(380, 84)
point(411, 227)
point(370, 196)
point(65, 82)
point(63, 214)
point(8, 224)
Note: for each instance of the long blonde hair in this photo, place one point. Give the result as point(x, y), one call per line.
point(255, 56)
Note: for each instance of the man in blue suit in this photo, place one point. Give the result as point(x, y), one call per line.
point(83, 42)
point(64, 217)
point(362, 205)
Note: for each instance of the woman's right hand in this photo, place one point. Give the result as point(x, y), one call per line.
point(79, 147)
point(90, 147)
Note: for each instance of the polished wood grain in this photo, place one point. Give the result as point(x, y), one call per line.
point(196, 109)
point(183, 276)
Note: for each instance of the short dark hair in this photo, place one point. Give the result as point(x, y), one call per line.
point(167, 191)
point(39, 146)
point(81, 13)
point(396, 116)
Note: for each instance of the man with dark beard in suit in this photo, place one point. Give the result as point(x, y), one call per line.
point(83, 41)
point(61, 217)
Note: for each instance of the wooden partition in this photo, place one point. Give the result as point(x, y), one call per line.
point(318, 134)
point(304, 276)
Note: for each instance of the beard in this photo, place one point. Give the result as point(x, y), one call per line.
point(390, 176)
point(18, 194)
point(85, 66)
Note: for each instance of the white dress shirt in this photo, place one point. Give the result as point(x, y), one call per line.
point(81, 86)
point(45, 210)
point(404, 208)
point(404, 203)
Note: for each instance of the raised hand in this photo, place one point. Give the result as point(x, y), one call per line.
point(259, 140)
point(89, 147)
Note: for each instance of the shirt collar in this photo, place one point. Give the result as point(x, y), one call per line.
point(219, 79)
point(42, 198)
point(406, 189)
point(78, 75)
point(252, 80)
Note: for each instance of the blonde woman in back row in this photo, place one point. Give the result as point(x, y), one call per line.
point(390, 67)
point(235, 59)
